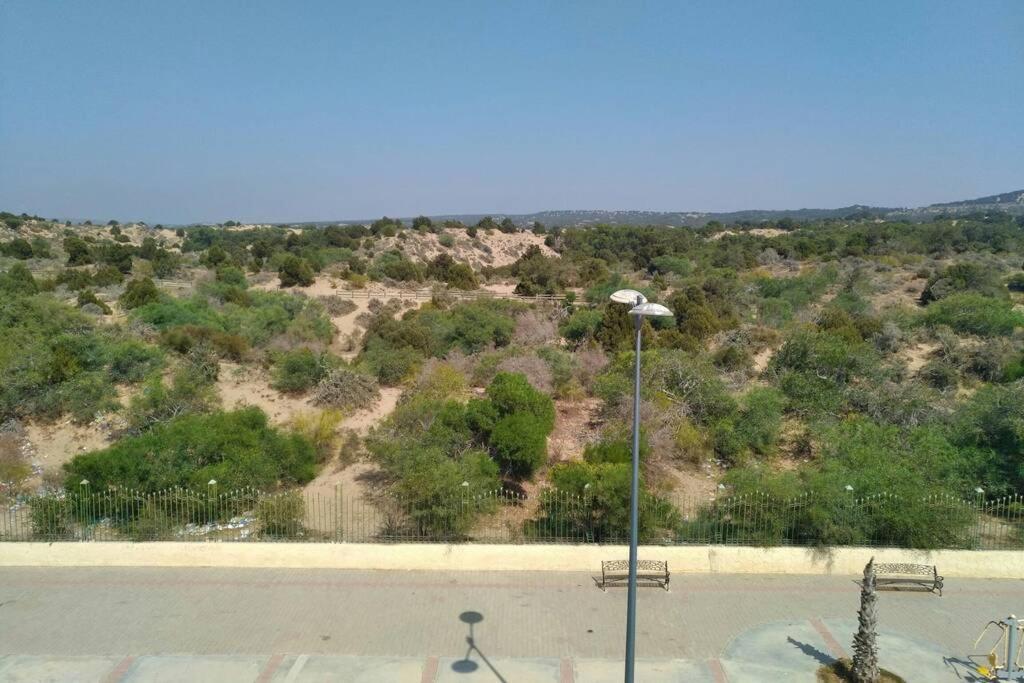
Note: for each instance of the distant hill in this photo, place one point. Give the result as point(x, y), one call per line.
point(995, 200)
point(1010, 202)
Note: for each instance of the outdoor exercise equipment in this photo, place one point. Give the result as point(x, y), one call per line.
point(1011, 637)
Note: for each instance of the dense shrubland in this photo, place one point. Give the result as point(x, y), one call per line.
point(832, 360)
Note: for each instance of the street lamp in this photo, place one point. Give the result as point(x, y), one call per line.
point(641, 309)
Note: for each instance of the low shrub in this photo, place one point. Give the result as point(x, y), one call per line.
point(971, 313)
point(238, 449)
point(139, 293)
point(300, 370)
point(337, 305)
point(346, 389)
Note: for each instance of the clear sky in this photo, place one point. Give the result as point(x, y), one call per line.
point(213, 110)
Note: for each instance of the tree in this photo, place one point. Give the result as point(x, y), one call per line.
point(422, 224)
point(139, 293)
point(19, 248)
point(78, 251)
point(507, 226)
point(295, 271)
point(865, 647)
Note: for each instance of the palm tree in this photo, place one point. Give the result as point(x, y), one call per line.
point(865, 647)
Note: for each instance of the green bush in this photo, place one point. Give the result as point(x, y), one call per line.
point(971, 313)
point(19, 248)
point(295, 272)
point(184, 338)
point(139, 293)
point(87, 296)
point(78, 251)
point(189, 393)
point(51, 518)
point(581, 326)
point(238, 449)
point(107, 276)
point(511, 393)
point(74, 280)
point(519, 443)
point(591, 503)
point(130, 361)
point(392, 366)
point(18, 280)
point(86, 394)
point(959, 278)
point(917, 470)
point(300, 370)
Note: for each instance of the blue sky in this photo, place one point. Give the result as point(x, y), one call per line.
point(188, 111)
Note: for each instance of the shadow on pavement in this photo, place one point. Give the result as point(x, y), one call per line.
point(467, 665)
point(964, 669)
point(811, 651)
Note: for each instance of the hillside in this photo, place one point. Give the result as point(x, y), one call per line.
point(430, 364)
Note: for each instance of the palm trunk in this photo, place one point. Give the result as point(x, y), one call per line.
point(865, 647)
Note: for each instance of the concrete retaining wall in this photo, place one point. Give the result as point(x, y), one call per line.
point(684, 559)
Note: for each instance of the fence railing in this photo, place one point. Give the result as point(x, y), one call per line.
point(507, 517)
point(425, 294)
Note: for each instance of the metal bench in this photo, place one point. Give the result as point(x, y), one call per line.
point(653, 572)
point(924, 576)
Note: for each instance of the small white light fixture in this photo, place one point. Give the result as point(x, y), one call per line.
point(628, 296)
point(84, 482)
point(650, 310)
point(587, 485)
point(212, 482)
point(465, 483)
point(848, 487)
point(979, 490)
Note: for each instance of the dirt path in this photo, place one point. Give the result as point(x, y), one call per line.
point(344, 484)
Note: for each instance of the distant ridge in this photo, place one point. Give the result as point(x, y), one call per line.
point(1009, 202)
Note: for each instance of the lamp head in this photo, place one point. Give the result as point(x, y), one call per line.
point(650, 310)
point(628, 296)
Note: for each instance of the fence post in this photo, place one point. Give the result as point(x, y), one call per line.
point(339, 515)
point(83, 494)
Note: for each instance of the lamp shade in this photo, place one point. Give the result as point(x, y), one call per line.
point(650, 309)
point(628, 296)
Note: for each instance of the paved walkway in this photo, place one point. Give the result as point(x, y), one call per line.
point(144, 624)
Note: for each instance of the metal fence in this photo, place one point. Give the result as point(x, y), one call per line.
point(508, 517)
point(426, 294)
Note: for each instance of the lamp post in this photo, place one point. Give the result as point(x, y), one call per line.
point(641, 309)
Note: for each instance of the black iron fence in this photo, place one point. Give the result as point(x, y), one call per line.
point(506, 517)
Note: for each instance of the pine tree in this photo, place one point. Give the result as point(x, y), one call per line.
point(865, 647)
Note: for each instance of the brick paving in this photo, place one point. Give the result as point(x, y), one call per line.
point(265, 624)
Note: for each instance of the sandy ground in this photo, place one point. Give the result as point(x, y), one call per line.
point(760, 232)
point(350, 481)
point(762, 358)
point(691, 486)
point(46, 447)
point(504, 248)
point(902, 288)
point(241, 386)
point(344, 344)
point(576, 425)
point(914, 357)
